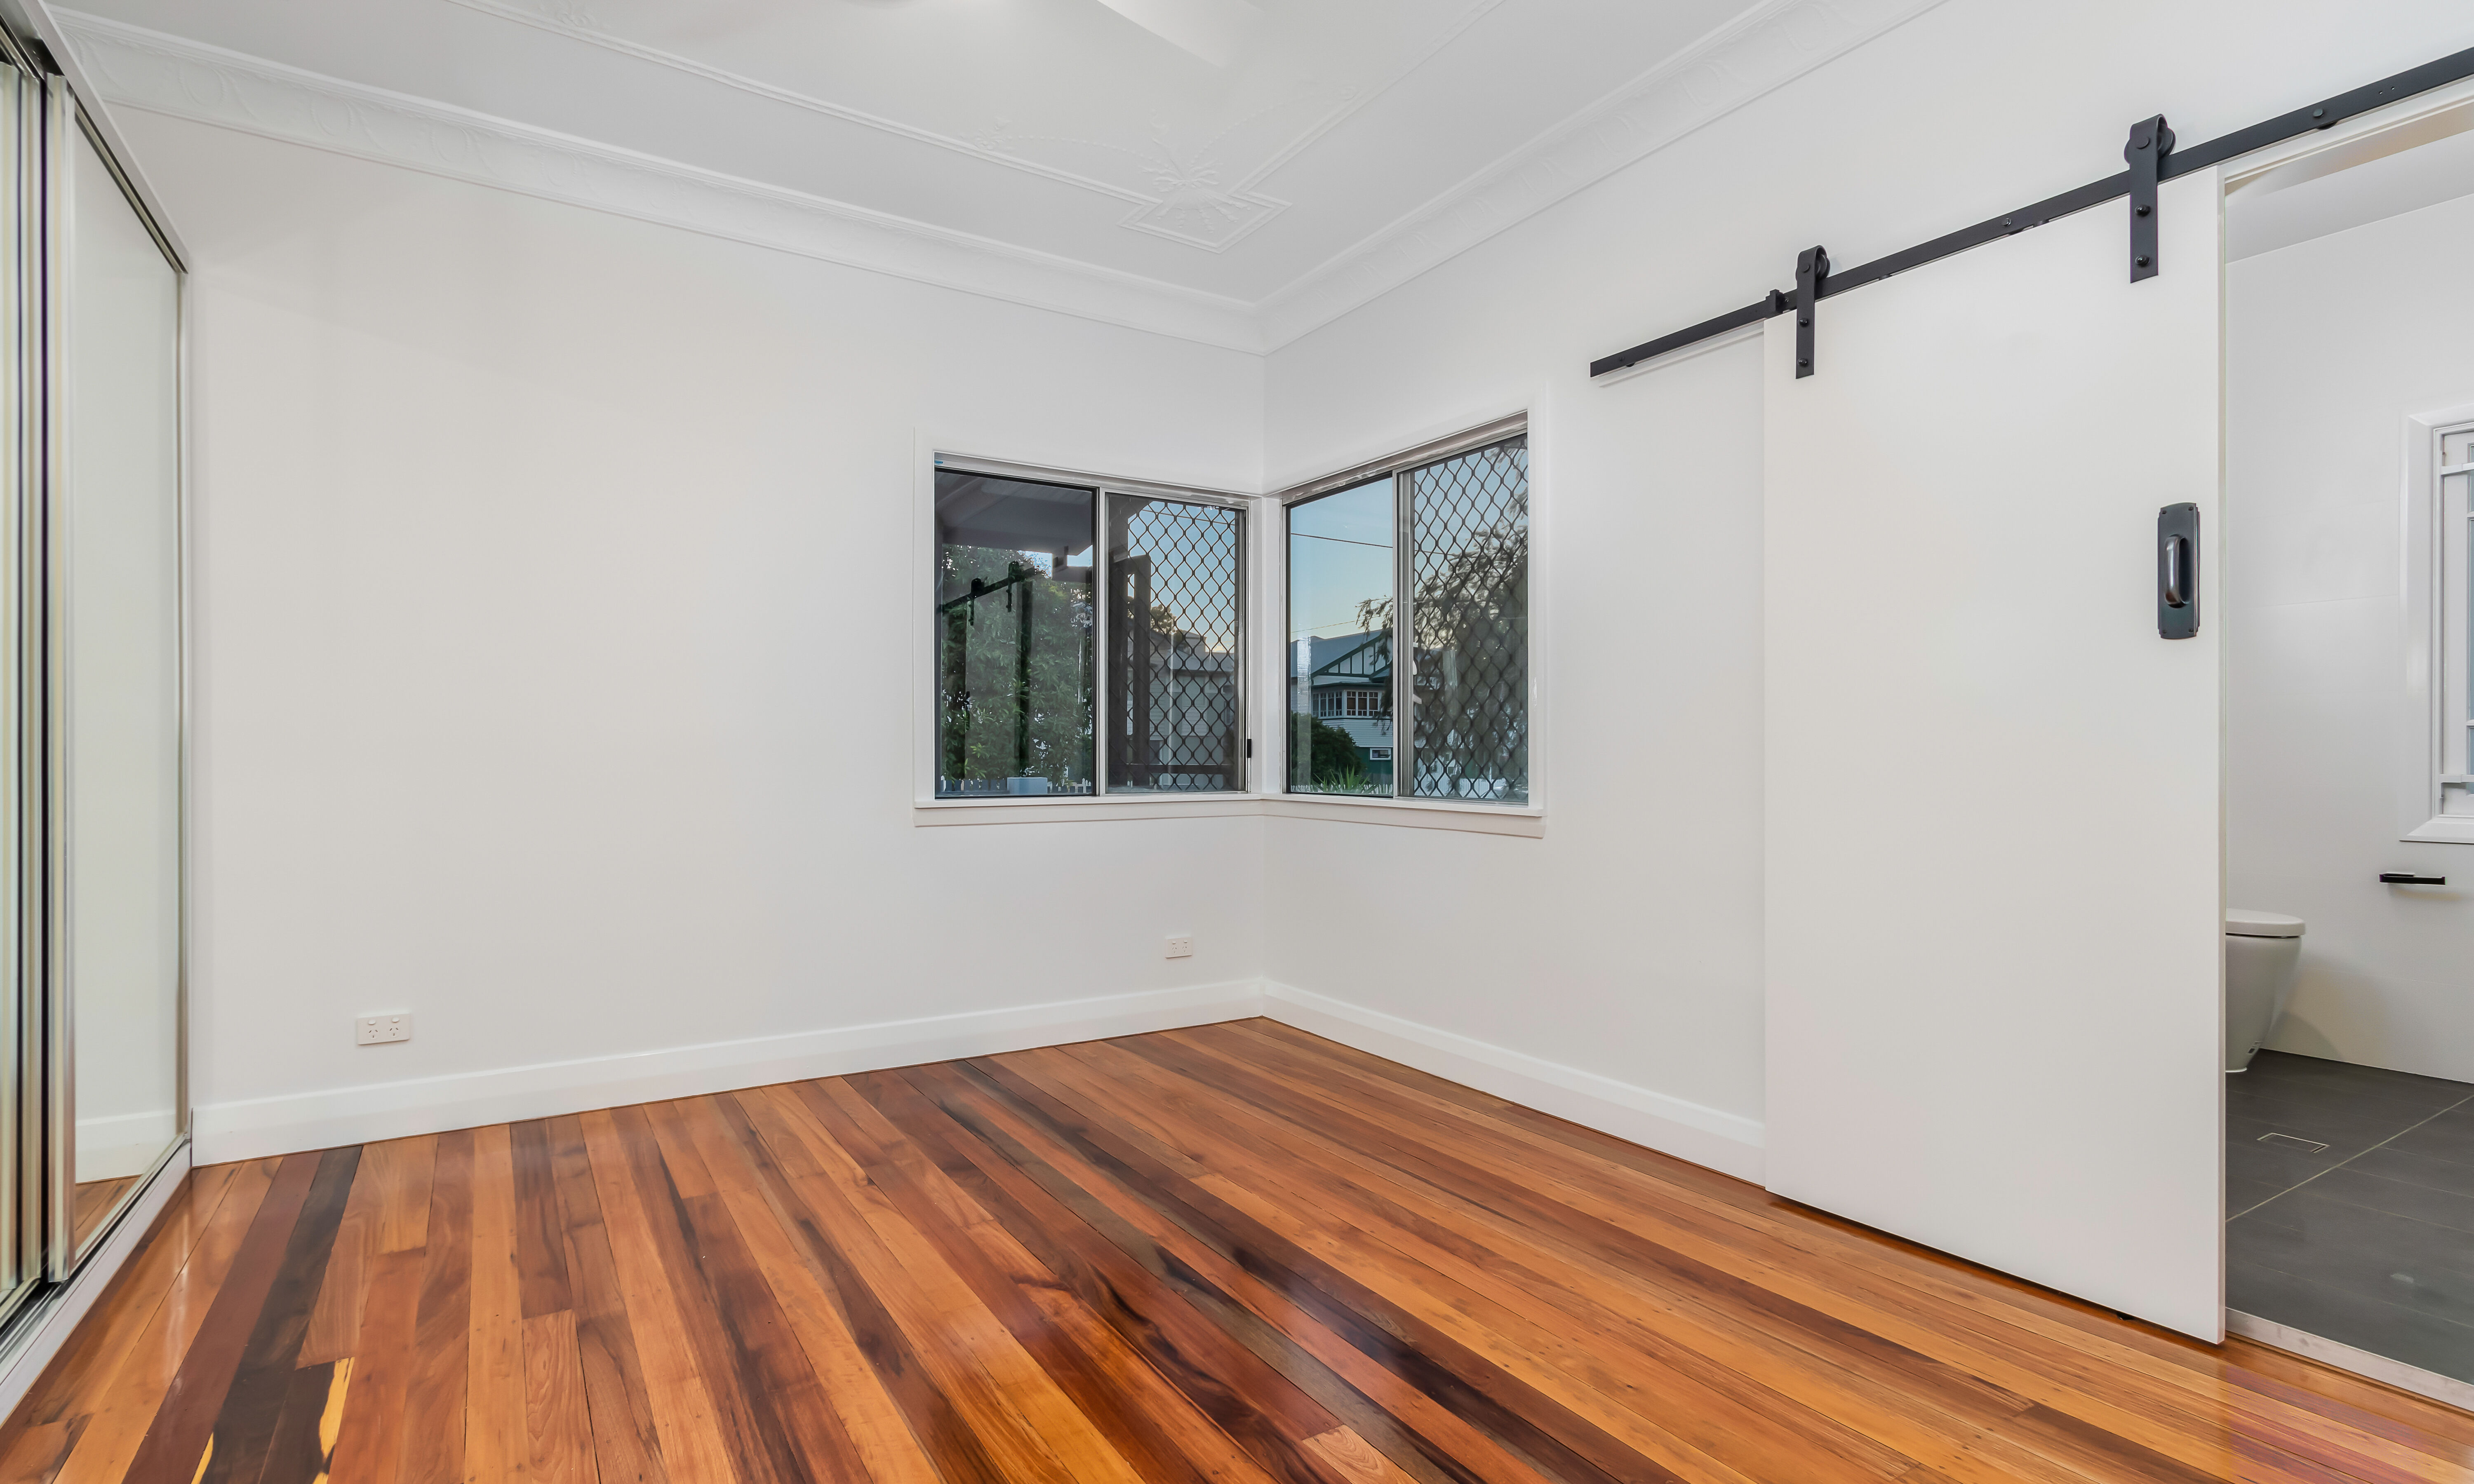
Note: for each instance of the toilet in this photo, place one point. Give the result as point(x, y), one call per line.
point(2262, 950)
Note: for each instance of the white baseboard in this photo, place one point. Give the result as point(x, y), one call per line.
point(37, 1334)
point(123, 1144)
point(1723, 1142)
point(116, 1162)
point(259, 1127)
point(131, 1128)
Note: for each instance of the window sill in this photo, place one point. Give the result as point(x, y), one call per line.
point(1032, 809)
point(1399, 813)
point(2442, 829)
point(1483, 819)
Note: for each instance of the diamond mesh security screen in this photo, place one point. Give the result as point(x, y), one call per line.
point(1174, 724)
point(1469, 569)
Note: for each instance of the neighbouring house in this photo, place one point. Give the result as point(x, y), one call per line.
point(1345, 681)
point(1180, 710)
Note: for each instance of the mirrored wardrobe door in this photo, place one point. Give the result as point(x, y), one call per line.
point(22, 1047)
point(116, 652)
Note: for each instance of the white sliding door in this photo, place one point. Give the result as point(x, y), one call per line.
point(1994, 907)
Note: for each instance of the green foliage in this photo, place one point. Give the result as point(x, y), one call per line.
point(1013, 670)
point(1331, 761)
point(1334, 751)
point(1479, 593)
point(1471, 623)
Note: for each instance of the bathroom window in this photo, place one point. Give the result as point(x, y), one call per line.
point(1408, 625)
point(1087, 639)
point(2454, 653)
point(2440, 611)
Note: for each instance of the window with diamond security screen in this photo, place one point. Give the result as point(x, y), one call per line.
point(1468, 623)
point(1089, 637)
point(1431, 701)
point(1175, 724)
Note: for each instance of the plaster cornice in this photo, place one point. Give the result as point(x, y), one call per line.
point(1767, 48)
point(1181, 201)
point(164, 73)
point(1761, 51)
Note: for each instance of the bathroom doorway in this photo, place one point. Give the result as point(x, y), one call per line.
point(2348, 776)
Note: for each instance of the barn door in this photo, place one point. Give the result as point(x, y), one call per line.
point(1993, 898)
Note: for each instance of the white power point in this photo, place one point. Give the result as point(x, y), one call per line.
point(1181, 947)
point(374, 1030)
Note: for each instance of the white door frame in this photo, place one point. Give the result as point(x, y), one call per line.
point(2408, 124)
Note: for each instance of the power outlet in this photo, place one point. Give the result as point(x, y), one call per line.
point(376, 1030)
point(1181, 947)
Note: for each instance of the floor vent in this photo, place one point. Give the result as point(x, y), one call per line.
point(2288, 1142)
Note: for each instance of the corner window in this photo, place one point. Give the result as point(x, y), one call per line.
point(1045, 688)
point(1408, 628)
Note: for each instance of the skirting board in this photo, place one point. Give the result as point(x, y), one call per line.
point(395, 1110)
point(261, 1127)
point(2345, 1357)
point(123, 1143)
point(44, 1328)
point(1723, 1142)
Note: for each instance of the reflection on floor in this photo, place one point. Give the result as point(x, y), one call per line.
point(2368, 1240)
point(1233, 1254)
point(94, 1200)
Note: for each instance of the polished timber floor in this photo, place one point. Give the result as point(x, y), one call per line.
point(1236, 1253)
point(2369, 1240)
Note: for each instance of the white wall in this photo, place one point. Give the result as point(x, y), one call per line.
point(546, 687)
point(553, 670)
point(1625, 943)
point(2332, 344)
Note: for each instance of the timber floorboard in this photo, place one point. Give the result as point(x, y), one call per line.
point(1237, 1253)
point(92, 1200)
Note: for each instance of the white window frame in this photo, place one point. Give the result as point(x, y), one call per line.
point(926, 807)
point(1265, 683)
point(2437, 756)
point(1272, 747)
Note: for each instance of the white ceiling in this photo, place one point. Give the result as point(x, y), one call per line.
point(1225, 153)
point(2273, 212)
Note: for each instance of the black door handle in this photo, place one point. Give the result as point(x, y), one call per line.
point(2409, 879)
point(2178, 571)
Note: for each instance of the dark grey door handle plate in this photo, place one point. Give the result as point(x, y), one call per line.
point(2178, 571)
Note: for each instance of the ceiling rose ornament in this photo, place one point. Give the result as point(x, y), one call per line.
point(1194, 207)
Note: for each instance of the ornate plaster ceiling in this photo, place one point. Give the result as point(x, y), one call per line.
point(1088, 97)
point(1247, 167)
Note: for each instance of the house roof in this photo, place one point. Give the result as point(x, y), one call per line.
point(1324, 653)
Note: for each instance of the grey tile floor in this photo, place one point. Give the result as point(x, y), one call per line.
point(2368, 1241)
